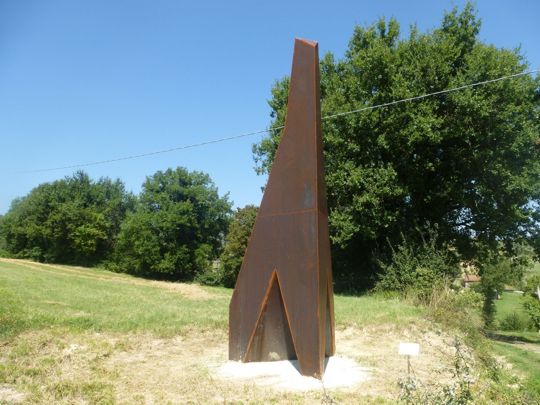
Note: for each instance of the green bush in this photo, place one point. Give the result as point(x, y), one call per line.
point(531, 302)
point(418, 267)
point(531, 284)
point(468, 298)
point(514, 322)
point(3, 244)
point(211, 275)
point(457, 309)
point(532, 307)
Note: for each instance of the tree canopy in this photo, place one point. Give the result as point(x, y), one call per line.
point(73, 220)
point(236, 242)
point(467, 162)
point(177, 228)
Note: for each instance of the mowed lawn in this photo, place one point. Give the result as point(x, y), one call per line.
point(78, 335)
point(38, 296)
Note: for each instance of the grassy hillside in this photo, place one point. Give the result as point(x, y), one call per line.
point(77, 335)
point(41, 296)
point(38, 296)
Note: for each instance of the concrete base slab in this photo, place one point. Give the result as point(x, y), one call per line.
point(340, 372)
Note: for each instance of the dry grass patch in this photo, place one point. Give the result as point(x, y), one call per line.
point(58, 367)
point(376, 347)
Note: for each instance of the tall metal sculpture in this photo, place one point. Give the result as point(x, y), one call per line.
point(282, 306)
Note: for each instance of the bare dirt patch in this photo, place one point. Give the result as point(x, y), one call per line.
point(9, 395)
point(187, 368)
point(532, 347)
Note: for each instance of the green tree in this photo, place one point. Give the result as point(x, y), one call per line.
point(236, 243)
point(177, 228)
point(467, 162)
point(3, 250)
point(73, 220)
point(531, 299)
point(536, 244)
point(495, 272)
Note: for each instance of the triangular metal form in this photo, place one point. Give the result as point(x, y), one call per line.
point(272, 339)
point(285, 282)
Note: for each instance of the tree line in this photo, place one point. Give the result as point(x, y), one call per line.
point(413, 189)
point(177, 228)
point(174, 229)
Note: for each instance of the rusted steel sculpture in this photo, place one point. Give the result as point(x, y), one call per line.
point(283, 306)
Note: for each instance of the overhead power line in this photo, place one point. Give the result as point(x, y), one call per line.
point(157, 152)
point(405, 100)
point(262, 131)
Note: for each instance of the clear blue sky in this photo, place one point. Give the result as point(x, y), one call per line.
point(90, 80)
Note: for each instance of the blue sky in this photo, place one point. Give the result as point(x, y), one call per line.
point(82, 81)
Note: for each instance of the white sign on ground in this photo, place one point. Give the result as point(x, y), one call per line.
point(409, 349)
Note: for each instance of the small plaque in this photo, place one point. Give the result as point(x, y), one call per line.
point(409, 349)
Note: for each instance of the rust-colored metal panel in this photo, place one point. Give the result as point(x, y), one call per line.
point(283, 305)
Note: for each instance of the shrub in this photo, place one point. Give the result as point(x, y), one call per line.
point(532, 307)
point(514, 322)
point(457, 309)
point(3, 245)
point(469, 299)
point(458, 391)
point(531, 284)
point(211, 275)
point(418, 267)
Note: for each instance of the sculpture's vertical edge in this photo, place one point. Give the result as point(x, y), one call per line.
point(289, 242)
point(321, 199)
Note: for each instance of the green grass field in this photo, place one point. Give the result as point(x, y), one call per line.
point(510, 306)
point(509, 303)
point(76, 335)
point(39, 296)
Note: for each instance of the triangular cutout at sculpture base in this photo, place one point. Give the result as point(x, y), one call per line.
point(272, 339)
